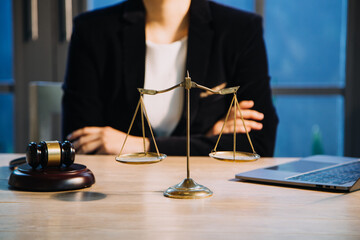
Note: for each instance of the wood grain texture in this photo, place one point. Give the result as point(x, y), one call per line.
point(127, 202)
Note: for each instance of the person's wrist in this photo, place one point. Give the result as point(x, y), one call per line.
point(147, 144)
point(142, 145)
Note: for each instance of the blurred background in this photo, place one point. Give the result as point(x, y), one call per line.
point(312, 50)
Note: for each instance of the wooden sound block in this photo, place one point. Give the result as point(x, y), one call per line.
point(75, 176)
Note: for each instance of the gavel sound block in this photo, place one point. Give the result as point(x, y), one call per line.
point(50, 167)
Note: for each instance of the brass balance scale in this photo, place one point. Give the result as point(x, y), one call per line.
point(188, 188)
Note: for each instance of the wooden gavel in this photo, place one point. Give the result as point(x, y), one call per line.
point(50, 154)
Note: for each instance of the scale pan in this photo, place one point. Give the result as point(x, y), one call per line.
point(140, 158)
point(239, 156)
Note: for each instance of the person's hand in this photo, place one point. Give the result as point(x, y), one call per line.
point(105, 140)
point(251, 118)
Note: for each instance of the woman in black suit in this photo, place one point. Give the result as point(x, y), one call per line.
point(110, 57)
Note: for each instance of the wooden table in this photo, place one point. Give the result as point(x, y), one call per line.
point(127, 202)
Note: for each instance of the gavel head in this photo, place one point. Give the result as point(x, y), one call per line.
point(50, 154)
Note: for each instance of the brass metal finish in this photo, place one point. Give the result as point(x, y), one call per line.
point(188, 133)
point(54, 153)
point(188, 189)
point(235, 156)
point(142, 125)
point(228, 90)
point(242, 119)
point(140, 158)
point(239, 156)
point(154, 92)
point(234, 151)
point(223, 126)
point(143, 157)
point(223, 91)
point(187, 82)
point(151, 131)
point(131, 124)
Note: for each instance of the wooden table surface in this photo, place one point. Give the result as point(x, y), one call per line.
point(127, 202)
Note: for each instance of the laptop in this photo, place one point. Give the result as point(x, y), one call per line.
point(331, 173)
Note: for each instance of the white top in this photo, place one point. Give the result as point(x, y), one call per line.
point(165, 67)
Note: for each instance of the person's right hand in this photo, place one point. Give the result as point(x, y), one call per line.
point(105, 140)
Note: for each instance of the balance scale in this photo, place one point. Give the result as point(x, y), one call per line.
point(187, 188)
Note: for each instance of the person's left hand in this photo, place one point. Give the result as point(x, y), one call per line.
point(105, 140)
point(251, 117)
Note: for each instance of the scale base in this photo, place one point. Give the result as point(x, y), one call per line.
point(189, 189)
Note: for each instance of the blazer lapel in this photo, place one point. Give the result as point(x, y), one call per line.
point(199, 48)
point(133, 37)
point(198, 54)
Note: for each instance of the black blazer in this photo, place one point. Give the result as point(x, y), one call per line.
point(106, 66)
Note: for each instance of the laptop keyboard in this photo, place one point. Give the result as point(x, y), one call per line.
point(339, 174)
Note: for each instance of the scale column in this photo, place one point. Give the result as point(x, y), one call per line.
point(188, 188)
point(187, 88)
